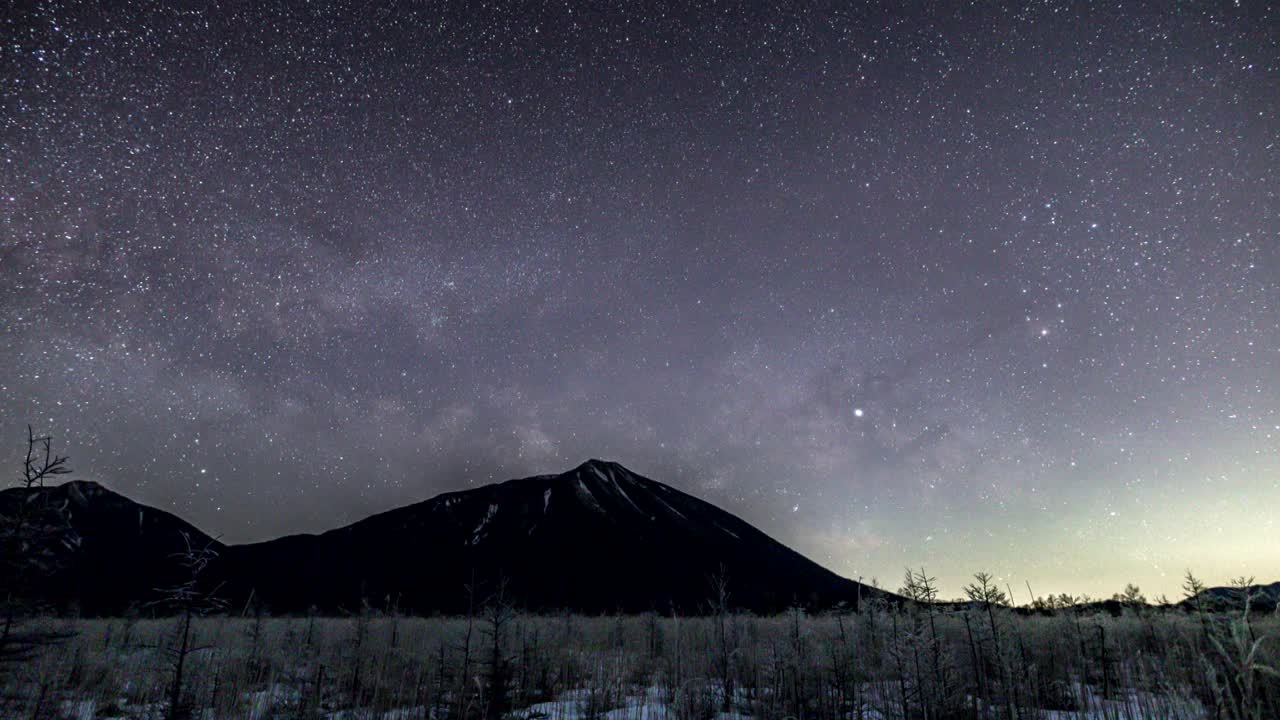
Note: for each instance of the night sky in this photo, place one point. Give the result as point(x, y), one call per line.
point(965, 288)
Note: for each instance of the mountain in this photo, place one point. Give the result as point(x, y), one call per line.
point(598, 538)
point(117, 554)
point(1264, 598)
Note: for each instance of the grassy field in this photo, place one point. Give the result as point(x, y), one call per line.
point(926, 662)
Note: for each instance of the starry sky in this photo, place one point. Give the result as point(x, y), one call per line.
point(961, 287)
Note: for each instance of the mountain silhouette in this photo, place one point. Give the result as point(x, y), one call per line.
point(117, 555)
point(598, 538)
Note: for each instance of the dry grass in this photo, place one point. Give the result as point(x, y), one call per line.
point(877, 664)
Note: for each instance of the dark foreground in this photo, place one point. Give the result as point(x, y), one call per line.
point(880, 664)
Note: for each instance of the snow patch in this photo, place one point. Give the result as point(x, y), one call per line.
point(729, 532)
point(640, 704)
point(588, 497)
point(614, 484)
point(412, 713)
point(266, 704)
point(546, 500)
point(79, 709)
point(475, 534)
point(625, 496)
point(668, 506)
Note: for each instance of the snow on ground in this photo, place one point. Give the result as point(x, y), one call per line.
point(121, 709)
point(413, 713)
point(1134, 705)
point(264, 704)
point(653, 703)
point(579, 705)
point(79, 710)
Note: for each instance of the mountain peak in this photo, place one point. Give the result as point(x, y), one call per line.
point(78, 492)
point(82, 485)
point(601, 465)
point(596, 472)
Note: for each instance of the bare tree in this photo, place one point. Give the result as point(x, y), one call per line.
point(35, 535)
point(498, 614)
point(189, 600)
point(35, 469)
point(723, 636)
point(924, 591)
point(985, 592)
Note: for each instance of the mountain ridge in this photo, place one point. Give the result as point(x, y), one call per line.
point(596, 538)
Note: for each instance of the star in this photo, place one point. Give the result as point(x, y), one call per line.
point(336, 276)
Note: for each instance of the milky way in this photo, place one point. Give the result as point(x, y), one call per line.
point(965, 288)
